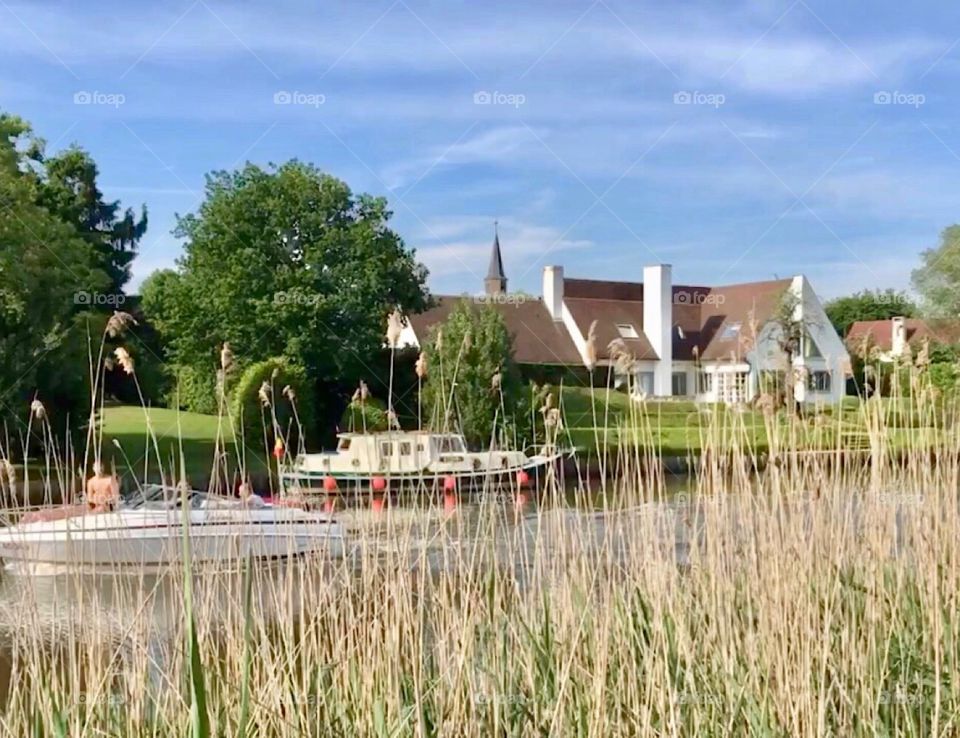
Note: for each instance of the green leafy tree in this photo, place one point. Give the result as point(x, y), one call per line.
point(44, 265)
point(868, 305)
point(937, 280)
point(464, 354)
point(65, 184)
point(285, 262)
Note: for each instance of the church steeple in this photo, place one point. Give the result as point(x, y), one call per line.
point(495, 282)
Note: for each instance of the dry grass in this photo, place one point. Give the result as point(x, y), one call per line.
point(816, 596)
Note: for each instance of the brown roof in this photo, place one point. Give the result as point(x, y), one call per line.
point(537, 338)
point(701, 313)
point(725, 307)
point(880, 332)
point(703, 318)
point(609, 313)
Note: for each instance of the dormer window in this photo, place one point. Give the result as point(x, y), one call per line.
point(730, 331)
point(626, 330)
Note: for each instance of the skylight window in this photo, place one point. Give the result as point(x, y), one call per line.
point(627, 331)
point(731, 330)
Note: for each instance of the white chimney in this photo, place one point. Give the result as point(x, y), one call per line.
point(658, 323)
point(553, 291)
point(898, 338)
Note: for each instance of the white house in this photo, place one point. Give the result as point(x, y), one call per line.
point(708, 343)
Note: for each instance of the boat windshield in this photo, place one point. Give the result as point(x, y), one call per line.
point(449, 444)
point(162, 497)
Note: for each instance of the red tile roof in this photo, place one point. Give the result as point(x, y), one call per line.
point(880, 332)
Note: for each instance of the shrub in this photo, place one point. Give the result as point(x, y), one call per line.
point(251, 417)
point(369, 415)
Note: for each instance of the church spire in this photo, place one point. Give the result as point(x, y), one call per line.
point(495, 282)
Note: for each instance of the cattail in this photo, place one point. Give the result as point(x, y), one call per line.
point(264, 394)
point(109, 364)
point(547, 404)
point(364, 391)
point(496, 381)
point(438, 342)
point(923, 356)
point(10, 472)
point(124, 359)
point(119, 322)
point(394, 328)
point(623, 360)
point(467, 341)
point(591, 350)
point(356, 396)
point(289, 393)
point(393, 422)
point(226, 358)
point(551, 418)
point(38, 410)
point(421, 366)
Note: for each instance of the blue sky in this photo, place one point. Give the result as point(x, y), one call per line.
point(735, 141)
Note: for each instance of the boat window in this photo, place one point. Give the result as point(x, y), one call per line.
point(344, 444)
point(405, 448)
point(386, 449)
point(450, 445)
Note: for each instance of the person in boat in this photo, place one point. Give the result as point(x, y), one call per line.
point(249, 498)
point(103, 490)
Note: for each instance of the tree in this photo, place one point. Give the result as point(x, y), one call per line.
point(44, 265)
point(285, 262)
point(937, 280)
point(464, 355)
point(868, 305)
point(66, 185)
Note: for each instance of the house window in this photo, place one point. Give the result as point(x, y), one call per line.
point(678, 384)
point(645, 382)
point(730, 330)
point(704, 384)
point(627, 331)
point(818, 381)
point(731, 387)
point(405, 448)
point(810, 348)
point(386, 449)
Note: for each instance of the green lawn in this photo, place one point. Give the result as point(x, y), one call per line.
point(195, 433)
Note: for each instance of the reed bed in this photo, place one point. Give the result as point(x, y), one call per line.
point(809, 590)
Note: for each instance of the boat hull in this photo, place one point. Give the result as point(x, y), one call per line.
point(90, 541)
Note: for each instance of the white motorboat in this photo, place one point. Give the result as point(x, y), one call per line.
point(418, 456)
point(149, 529)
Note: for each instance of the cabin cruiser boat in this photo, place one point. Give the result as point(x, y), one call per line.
point(408, 456)
point(149, 528)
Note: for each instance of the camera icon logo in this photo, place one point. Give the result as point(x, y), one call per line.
point(82, 97)
point(882, 98)
point(281, 97)
point(482, 98)
point(682, 98)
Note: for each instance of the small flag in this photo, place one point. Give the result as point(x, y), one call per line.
point(278, 448)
